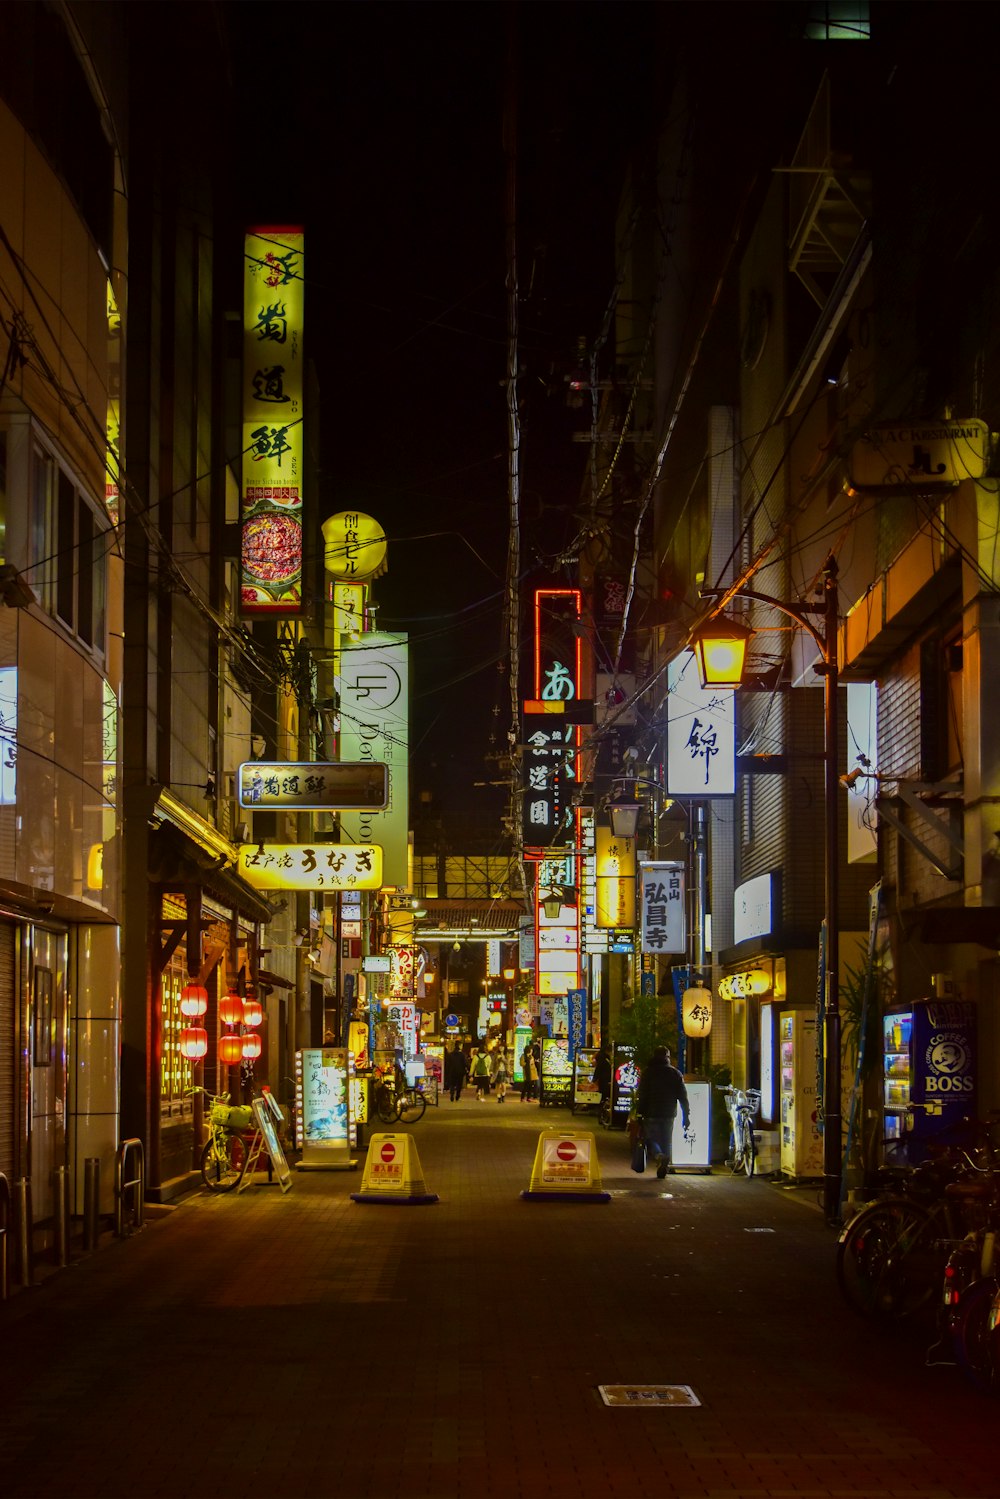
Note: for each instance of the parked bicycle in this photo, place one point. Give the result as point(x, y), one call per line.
point(226, 1151)
point(742, 1105)
point(397, 1101)
point(892, 1256)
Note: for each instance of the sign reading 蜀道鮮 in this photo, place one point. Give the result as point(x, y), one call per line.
point(312, 785)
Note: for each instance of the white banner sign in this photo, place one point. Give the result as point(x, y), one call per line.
point(664, 925)
point(701, 733)
point(374, 726)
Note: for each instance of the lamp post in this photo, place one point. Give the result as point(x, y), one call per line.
point(721, 658)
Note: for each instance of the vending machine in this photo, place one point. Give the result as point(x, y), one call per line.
point(801, 1138)
point(930, 1073)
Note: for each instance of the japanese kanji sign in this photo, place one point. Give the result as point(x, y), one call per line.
point(664, 928)
point(615, 863)
point(312, 785)
point(701, 733)
point(314, 866)
point(272, 467)
point(551, 740)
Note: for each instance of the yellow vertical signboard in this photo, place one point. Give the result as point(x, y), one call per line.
point(271, 488)
point(616, 869)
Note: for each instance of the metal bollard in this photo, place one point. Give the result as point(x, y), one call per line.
point(22, 1211)
point(60, 1215)
point(91, 1202)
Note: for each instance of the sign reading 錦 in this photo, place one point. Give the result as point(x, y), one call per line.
point(316, 866)
point(273, 449)
point(312, 786)
point(701, 733)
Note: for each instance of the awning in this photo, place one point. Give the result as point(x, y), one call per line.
point(944, 924)
point(470, 920)
point(273, 980)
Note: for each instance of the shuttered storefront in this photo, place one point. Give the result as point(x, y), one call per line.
point(8, 1049)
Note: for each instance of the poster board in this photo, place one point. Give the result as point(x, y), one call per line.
point(264, 1119)
point(586, 1093)
point(322, 1088)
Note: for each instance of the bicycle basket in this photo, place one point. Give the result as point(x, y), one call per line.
point(233, 1117)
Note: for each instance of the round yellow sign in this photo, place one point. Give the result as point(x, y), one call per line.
point(355, 545)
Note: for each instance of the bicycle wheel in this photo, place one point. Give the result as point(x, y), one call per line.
point(604, 1114)
point(386, 1105)
point(223, 1162)
point(412, 1105)
point(749, 1147)
point(734, 1159)
point(886, 1267)
point(976, 1343)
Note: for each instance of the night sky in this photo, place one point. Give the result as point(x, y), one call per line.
point(401, 188)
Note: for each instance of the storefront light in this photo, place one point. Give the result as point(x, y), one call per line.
point(194, 1001)
point(231, 1009)
point(193, 1042)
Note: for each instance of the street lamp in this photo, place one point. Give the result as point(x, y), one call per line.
point(716, 644)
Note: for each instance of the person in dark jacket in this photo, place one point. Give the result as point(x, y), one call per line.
point(661, 1089)
point(602, 1074)
point(454, 1072)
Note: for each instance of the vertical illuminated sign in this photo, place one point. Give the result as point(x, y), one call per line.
point(374, 725)
point(272, 466)
point(615, 880)
point(664, 927)
point(552, 744)
point(701, 733)
point(8, 736)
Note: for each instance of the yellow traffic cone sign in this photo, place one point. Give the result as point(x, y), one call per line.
point(566, 1168)
point(392, 1174)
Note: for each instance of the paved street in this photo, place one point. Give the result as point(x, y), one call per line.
point(306, 1345)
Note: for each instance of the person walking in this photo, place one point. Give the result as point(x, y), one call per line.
point(661, 1089)
point(529, 1073)
point(602, 1075)
point(500, 1074)
point(454, 1072)
point(481, 1073)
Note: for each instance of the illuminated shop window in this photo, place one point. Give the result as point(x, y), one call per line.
point(68, 542)
point(176, 1074)
point(838, 21)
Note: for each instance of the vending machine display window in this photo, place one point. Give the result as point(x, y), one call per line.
point(896, 1035)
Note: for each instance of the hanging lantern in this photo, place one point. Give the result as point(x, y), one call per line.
point(230, 1050)
point(696, 1010)
point(193, 1042)
point(251, 1046)
point(231, 1009)
point(253, 1011)
point(194, 1001)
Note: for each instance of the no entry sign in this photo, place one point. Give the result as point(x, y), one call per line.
point(388, 1151)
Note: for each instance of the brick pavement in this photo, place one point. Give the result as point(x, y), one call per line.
point(304, 1345)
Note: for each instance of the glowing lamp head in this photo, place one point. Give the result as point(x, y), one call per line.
point(253, 1012)
point(194, 1001)
point(231, 1009)
point(193, 1042)
point(230, 1050)
point(696, 1010)
point(720, 649)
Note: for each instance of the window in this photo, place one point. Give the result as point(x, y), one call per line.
point(68, 545)
point(838, 21)
point(941, 733)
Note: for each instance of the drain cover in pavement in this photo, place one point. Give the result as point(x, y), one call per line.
point(648, 1396)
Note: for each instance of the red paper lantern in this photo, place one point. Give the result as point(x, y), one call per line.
point(194, 1001)
point(230, 1050)
point(251, 1046)
point(231, 1009)
point(193, 1042)
point(253, 1011)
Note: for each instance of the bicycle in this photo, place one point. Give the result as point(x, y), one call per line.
point(742, 1105)
point(398, 1101)
point(892, 1256)
point(227, 1149)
